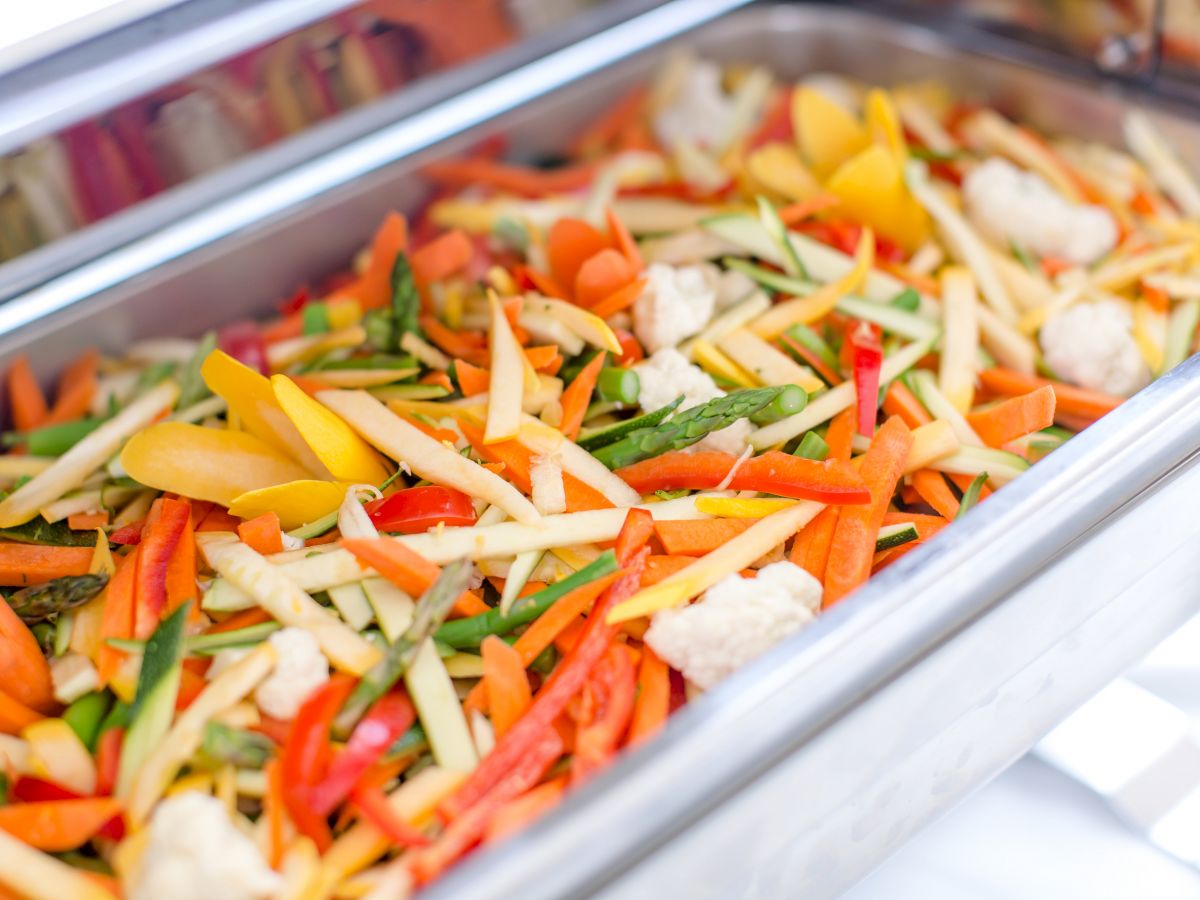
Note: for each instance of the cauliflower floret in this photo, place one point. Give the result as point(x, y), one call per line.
point(1092, 345)
point(1008, 204)
point(700, 111)
point(666, 375)
point(195, 852)
point(301, 669)
point(735, 621)
point(675, 304)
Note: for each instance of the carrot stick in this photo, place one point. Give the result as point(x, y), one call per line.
point(653, 698)
point(453, 343)
point(810, 550)
point(24, 673)
point(254, 616)
point(542, 357)
point(602, 275)
point(76, 389)
point(25, 564)
point(900, 401)
point(699, 536)
point(524, 180)
point(1069, 399)
point(620, 299)
point(578, 394)
point(375, 287)
point(520, 811)
point(569, 244)
point(263, 533)
point(290, 326)
point(15, 715)
point(932, 488)
point(58, 825)
point(795, 213)
point(471, 379)
point(118, 618)
point(840, 434)
point(273, 804)
point(544, 283)
point(25, 396)
point(660, 567)
point(853, 547)
point(506, 683)
point(604, 129)
point(623, 240)
point(441, 257)
point(1014, 417)
point(406, 569)
point(87, 521)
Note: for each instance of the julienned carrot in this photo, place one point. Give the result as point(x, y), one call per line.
point(653, 697)
point(795, 213)
point(24, 673)
point(524, 180)
point(696, 537)
point(605, 128)
point(218, 519)
point(569, 244)
point(840, 434)
point(660, 567)
point(813, 360)
point(853, 546)
point(273, 809)
point(623, 240)
point(602, 275)
point(58, 825)
point(810, 550)
point(375, 287)
point(542, 357)
point(932, 488)
point(520, 811)
point(406, 569)
point(1015, 417)
point(1069, 399)
point(87, 521)
point(545, 284)
point(506, 683)
point(15, 715)
point(900, 401)
point(25, 396)
point(263, 533)
point(620, 299)
point(290, 326)
point(25, 564)
point(256, 615)
point(165, 527)
point(453, 343)
point(441, 257)
point(927, 526)
point(472, 380)
point(578, 395)
point(76, 389)
point(118, 618)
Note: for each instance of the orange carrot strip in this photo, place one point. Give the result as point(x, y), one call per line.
point(254, 616)
point(25, 396)
point(263, 533)
point(623, 240)
point(453, 343)
point(810, 550)
point(520, 811)
point(696, 537)
point(24, 672)
point(58, 825)
point(1069, 400)
point(471, 379)
point(1015, 417)
point(118, 618)
point(25, 564)
point(290, 326)
point(273, 804)
point(653, 698)
point(15, 715)
point(604, 129)
point(569, 244)
point(795, 213)
point(853, 547)
point(620, 299)
point(660, 567)
point(441, 257)
point(578, 394)
point(601, 275)
point(87, 521)
point(900, 401)
point(524, 180)
point(506, 683)
point(375, 288)
point(839, 434)
point(76, 389)
point(219, 519)
point(409, 571)
point(932, 488)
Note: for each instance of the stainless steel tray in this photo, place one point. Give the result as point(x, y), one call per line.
point(797, 775)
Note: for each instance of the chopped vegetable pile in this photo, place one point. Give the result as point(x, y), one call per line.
point(315, 606)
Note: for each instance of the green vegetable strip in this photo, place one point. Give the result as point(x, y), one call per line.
point(618, 385)
point(240, 637)
point(53, 534)
point(471, 631)
point(192, 388)
point(687, 427)
point(314, 318)
point(812, 446)
point(245, 749)
point(53, 440)
point(406, 302)
point(431, 609)
point(604, 436)
point(316, 528)
point(41, 601)
point(791, 400)
point(970, 496)
point(85, 715)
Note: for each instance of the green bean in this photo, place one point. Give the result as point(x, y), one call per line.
point(53, 440)
point(85, 715)
point(618, 385)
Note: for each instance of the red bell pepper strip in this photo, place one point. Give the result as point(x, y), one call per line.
point(304, 758)
point(608, 699)
point(128, 535)
point(27, 789)
point(868, 358)
point(244, 342)
point(418, 509)
point(832, 481)
point(382, 726)
point(160, 540)
point(373, 804)
point(108, 759)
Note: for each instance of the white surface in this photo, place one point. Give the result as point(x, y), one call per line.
point(1031, 834)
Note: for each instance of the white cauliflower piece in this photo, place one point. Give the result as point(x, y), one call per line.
point(666, 375)
point(737, 620)
point(195, 852)
point(675, 304)
point(1092, 345)
point(301, 669)
point(73, 676)
point(700, 112)
point(1009, 204)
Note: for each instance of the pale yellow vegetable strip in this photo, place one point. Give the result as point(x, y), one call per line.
point(282, 354)
point(40, 876)
point(1028, 290)
point(588, 326)
point(14, 467)
point(360, 378)
point(427, 457)
point(762, 537)
point(184, 738)
point(930, 442)
point(542, 439)
point(425, 352)
point(250, 572)
point(821, 301)
point(730, 319)
point(960, 340)
point(1148, 145)
point(993, 133)
point(767, 363)
point(438, 708)
point(1010, 347)
point(506, 384)
point(71, 469)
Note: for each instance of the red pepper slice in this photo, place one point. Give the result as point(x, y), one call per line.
point(382, 726)
point(244, 342)
point(607, 708)
point(373, 804)
point(160, 540)
point(108, 760)
point(831, 481)
point(418, 509)
point(868, 358)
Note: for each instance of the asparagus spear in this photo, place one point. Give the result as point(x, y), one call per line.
point(431, 609)
point(41, 601)
point(245, 749)
point(691, 425)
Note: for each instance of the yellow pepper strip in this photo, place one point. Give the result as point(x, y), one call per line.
point(343, 312)
point(102, 558)
point(717, 363)
point(883, 124)
point(778, 168)
point(737, 508)
point(820, 302)
point(347, 456)
point(296, 502)
point(252, 402)
point(205, 463)
point(282, 354)
point(57, 754)
point(826, 134)
point(435, 411)
point(760, 538)
point(1146, 324)
point(32, 873)
point(872, 191)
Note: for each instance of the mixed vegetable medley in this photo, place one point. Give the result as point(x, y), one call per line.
point(314, 606)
